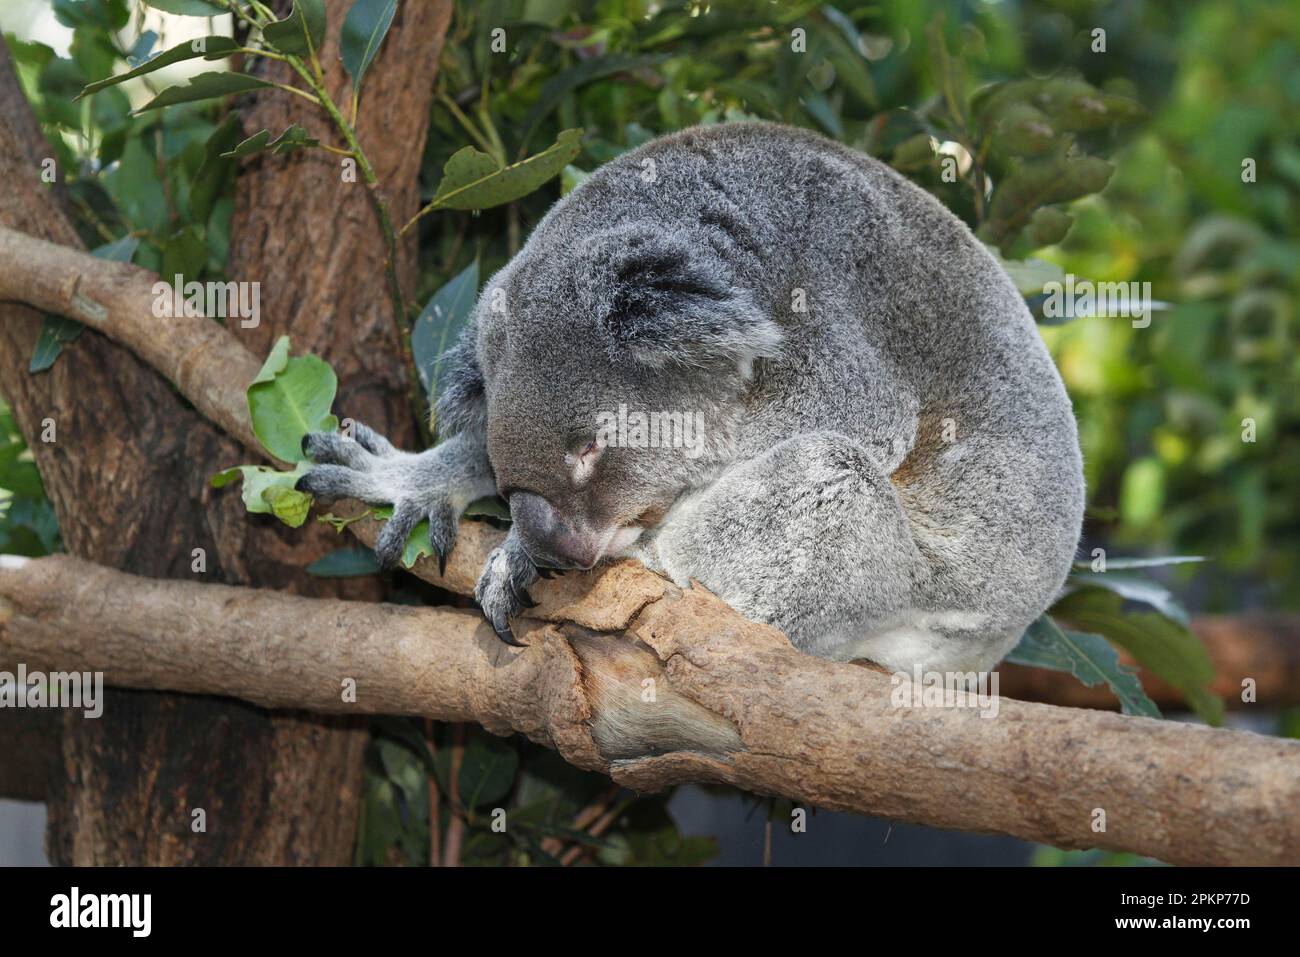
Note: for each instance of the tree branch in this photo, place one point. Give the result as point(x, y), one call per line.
point(765, 717)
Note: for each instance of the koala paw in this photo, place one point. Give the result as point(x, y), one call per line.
point(502, 589)
point(366, 466)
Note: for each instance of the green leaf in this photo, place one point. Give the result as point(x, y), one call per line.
point(268, 491)
point(1165, 647)
point(300, 33)
point(1047, 227)
point(1133, 588)
point(364, 30)
point(184, 253)
point(349, 562)
point(187, 8)
point(489, 507)
point(58, 330)
point(487, 771)
point(440, 322)
point(289, 398)
point(949, 73)
point(55, 331)
point(472, 180)
point(118, 251)
point(295, 137)
point(1033, 183)
point(562, 84)
point(571, 178)
point(134, 182)
point(217, 171)
point(210, 48)
point(202, 87)
point(1088, 657)
point(105, 14)
point(288, 504)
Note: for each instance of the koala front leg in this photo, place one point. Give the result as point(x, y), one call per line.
point(502, 588)
point(809, 536)
point(435, 484)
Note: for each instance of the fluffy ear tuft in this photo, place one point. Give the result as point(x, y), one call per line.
point(667, 300)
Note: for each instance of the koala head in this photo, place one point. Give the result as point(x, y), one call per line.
point(614, 369)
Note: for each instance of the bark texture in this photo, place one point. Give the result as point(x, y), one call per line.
point(121, 474)
point(128, 478)
point(824, 734)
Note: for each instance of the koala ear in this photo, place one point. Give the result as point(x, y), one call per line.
point(666, 299)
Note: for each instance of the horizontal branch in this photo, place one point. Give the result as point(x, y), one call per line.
point(732, 702)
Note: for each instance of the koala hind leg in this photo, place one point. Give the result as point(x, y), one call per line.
point(810, 536)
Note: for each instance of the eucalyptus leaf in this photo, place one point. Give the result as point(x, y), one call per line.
point(187, 8)
point(55, 331)
point(209, 48)
point(300, 33)
point(364, 30)
point(293, 138)
point(204, 86)
point(349, 562)
point(289, 398)
point(436, 328)
point(268, 491)
point(1163, 646)
point(473, 180)
point(1088, 657)
point(487, 770)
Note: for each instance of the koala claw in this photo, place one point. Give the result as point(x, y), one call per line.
point(502, 588)
point(508, 636)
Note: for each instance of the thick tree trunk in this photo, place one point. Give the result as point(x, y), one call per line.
point(313, 242)
point(121, 473)
point(128, 479)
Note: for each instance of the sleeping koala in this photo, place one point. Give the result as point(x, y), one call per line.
point(883, 462)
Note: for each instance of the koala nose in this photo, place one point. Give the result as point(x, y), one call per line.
point(550, 540)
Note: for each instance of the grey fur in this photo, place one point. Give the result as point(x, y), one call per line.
point(893, 472)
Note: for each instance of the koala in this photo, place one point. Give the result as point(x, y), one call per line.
point(882, 459)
